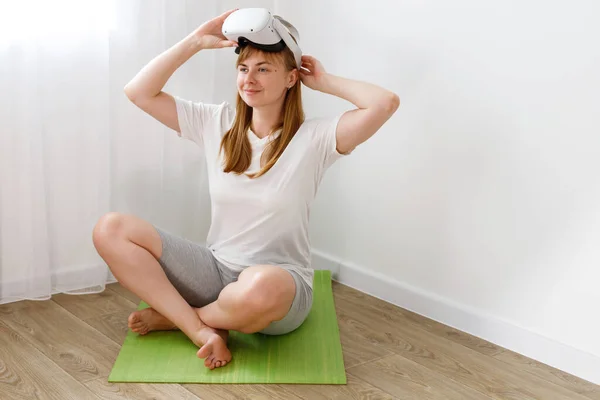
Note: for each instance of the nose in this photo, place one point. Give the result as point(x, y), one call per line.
point(249, 78)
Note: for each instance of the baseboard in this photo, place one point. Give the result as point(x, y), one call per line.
point(464, 318)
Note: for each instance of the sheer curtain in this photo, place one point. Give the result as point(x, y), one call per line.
point(72, 147)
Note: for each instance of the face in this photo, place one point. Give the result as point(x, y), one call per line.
point(263, 81)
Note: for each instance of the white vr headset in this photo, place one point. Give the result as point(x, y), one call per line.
point(259, 28)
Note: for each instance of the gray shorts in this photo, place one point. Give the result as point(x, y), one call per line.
point(199, 277)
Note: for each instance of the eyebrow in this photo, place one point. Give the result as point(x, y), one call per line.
point(257, 64)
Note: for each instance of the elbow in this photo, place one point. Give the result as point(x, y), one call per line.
point(392, 103)
point(128, 92)
point(131, 93)
point(389, 103)
point(135, 96)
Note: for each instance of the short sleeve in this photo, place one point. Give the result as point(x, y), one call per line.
point(326, 142)
point(197, 119)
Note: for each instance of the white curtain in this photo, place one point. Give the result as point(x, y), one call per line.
point(72, 146)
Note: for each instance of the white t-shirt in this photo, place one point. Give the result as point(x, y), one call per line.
point(263, 220)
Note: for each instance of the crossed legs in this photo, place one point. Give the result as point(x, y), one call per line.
point(131, 247)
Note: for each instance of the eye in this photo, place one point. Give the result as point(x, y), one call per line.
point(262, 69)
point(243, 69)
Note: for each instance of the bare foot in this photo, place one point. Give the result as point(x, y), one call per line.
point(214, 350)
point(212, 342)
point(148, 320)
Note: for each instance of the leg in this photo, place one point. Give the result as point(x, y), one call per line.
point(131, 247)
point(262, 294)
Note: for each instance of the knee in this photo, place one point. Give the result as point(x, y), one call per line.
point(267, 290)
point(109, 227)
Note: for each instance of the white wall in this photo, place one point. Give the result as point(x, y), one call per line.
point(477, 204)
point(483, 189)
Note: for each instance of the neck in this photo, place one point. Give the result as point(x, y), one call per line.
point(265, 118)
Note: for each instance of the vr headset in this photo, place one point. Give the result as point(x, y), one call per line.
point(259, 28)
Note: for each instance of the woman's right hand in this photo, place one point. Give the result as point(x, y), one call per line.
point(210, 35)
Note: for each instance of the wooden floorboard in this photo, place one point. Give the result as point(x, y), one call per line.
point(492, 377)
point(519, 364)
point(139, 391)
point(64, 348)
point(26, 373)
point(82, 352)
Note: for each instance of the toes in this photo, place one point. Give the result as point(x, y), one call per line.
point(219, 364)
point(142, 329)
point(209, 361)
point(205, 351)
point(133, 318)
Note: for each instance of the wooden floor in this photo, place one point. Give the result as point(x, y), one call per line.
point(64, 348)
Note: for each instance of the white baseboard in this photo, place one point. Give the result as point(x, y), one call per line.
point(464, 318)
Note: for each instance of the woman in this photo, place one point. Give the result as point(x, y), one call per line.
point(264, 164)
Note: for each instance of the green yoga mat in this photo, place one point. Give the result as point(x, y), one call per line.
point(310, 354)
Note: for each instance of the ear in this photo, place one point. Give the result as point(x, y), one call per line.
point(292, 77)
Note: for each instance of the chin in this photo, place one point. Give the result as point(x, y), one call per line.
point(253, 102)
point(259, 101)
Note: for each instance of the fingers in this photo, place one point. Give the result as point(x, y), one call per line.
point(308, 60)
point(228, 13)
point(227, 43)
point(306, 67)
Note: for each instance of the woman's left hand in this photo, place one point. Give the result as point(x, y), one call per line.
point(312, 73)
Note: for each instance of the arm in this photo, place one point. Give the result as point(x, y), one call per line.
point(152, 78)
point(375, 105)
point(145, 89)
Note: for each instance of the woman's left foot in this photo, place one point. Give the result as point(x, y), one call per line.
point(148, 320)
point(213, 347)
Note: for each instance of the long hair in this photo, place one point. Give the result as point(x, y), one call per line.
point(235, 142)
